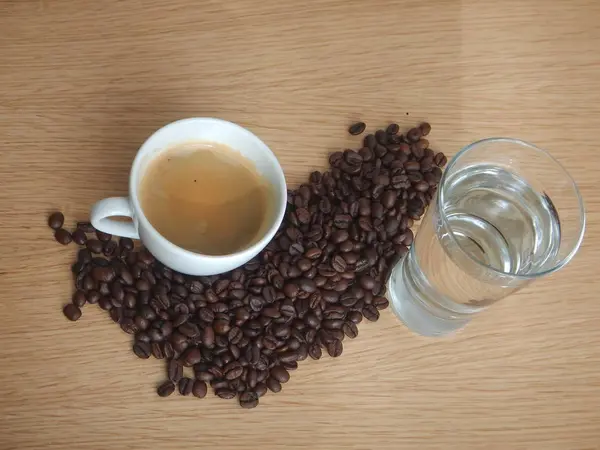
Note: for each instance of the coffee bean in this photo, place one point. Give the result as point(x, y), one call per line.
point(314, 351)
point(94, 245)
point(225, 393)
point(165, 389)
point(79, 237)
point(273, 384)
point(102, 236)
point(191, 356)
point(280, 374)
point(249, 399)
point(335, 348)
point(353, 158)
point(79, 298)
point(291, 290)
point(109, 248)
point(440, 160)
point(350, 329)
point(86, 227)
point(425, 128)
point(339, 236)
point(336, 158)
point(142, 350)
point(128, 325)
point(338, 263)
point(62, 236)
point(371, 313)
point(332, 324)
point(56, 220)
point(72, 312)
point(174, 371)
point(380, 302)
point(186, 386)
point(357, 128)
point(103, 274)
point(392, 128)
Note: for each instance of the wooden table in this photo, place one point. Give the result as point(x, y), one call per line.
point(84, 82)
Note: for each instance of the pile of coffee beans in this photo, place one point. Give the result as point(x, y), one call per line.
point(243, 332)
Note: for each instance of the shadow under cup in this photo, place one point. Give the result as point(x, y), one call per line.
point(506, 214)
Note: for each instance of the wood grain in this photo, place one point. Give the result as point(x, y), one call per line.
point(83, 83)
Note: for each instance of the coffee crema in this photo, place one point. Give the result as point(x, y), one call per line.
point(206, 198)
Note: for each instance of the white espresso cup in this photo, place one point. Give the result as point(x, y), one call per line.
point(194, 129)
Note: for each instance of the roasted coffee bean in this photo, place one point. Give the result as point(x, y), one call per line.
point(79, 298)
point(72, 312)
point(186, 386)
point(357, 128)
point(102, 236)
point(225, 393)
point(103, 274)
point(392, 128)
point(142, 350)
point(280, 374)
point(355, 316)
point(165, 389)
point(126, 243)
point(425, 128)
point(314, 351)
point(86, 227)
point(338, 263)
point(79, 237)
point(371, 313)
point(273, 384)
point(62, 236)
point(109, 248)
point(199, 389)
point(191, 356)
point(350, 329)
point(440, 160)
point(335, 348)
point(380, 302)
point(128, 325)
point(249, 399)
point(56, 220)
point(94, 245)
point(353, 158)
point(174, 371)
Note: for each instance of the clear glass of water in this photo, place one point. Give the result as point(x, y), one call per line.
point(505, 214)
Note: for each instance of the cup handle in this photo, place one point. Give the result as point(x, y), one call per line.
point(114, 206)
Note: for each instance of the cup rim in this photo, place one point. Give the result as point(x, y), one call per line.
point(270, 156)
point(440, 198)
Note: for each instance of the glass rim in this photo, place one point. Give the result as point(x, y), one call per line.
point(440, 198)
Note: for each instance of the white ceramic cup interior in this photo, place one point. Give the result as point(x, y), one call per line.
point(180, 259)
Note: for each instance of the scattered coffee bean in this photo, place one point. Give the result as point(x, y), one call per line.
point(79, 237)
point(357, 128)
point(199, 389)
point(166, 389)
point(56, 220)
point(249, 399)
point(142, 350)
point(102, 236)
point(94, 245)
point(72, 312)
point(62, 236)
point(186, 386)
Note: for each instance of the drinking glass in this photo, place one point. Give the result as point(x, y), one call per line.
point(506, 213)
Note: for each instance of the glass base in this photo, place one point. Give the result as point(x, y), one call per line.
point(416, 306)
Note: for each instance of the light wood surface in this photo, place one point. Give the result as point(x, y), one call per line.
point(84, 82)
